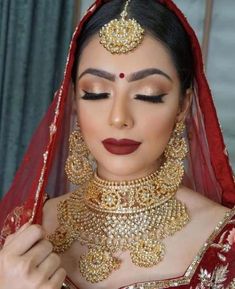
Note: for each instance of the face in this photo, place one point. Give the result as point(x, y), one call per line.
point(127, 107)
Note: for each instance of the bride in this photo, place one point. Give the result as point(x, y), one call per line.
point(147, 198)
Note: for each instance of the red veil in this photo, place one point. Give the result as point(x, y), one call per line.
point(42, 169)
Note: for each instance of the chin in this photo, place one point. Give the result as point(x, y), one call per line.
point(122, 170)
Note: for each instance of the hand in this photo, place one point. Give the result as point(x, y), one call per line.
point(27, 261)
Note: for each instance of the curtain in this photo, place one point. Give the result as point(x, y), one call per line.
point(34, 41)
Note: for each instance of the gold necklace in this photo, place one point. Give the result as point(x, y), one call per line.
point(109, 217)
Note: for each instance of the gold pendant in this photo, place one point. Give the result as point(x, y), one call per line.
point(147, 253)
point(97, 265)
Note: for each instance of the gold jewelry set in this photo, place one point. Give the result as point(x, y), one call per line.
point(111, 217)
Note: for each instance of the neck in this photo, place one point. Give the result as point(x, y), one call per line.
point(120, 176)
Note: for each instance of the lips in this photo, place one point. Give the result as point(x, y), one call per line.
point(120, 147)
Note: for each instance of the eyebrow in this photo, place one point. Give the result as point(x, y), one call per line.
point(147, 72)
point(99, 73)
point(132, 77)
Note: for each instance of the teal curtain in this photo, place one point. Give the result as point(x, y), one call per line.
point(34, 41)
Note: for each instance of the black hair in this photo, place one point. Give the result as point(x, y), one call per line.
point(157, 20)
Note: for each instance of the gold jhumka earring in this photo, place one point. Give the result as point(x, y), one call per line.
point(108, 216)
point(78, 165)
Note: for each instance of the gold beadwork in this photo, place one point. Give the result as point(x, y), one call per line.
point(78, 167)
point(98, 264)
point(177, 148)
point(136, 215)
point(147, 253)
point(121, 35)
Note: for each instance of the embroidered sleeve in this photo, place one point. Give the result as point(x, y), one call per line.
point(219, 270)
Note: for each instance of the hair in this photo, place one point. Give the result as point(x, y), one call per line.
point(158, 21)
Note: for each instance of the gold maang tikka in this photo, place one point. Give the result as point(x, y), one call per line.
point(137, 215)
point(121, 35)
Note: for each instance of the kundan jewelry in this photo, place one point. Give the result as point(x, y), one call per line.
point(121, 35)
point(136, 215)
point(78, 166)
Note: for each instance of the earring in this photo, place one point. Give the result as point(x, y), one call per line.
point(172, 171)
point(78, 167)
point(177, 147)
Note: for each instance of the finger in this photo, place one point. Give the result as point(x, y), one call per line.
point(50, 265)
point(39, 252)
point(58, 278)
point(22, 228)
point(12, 236)
point(26, 239)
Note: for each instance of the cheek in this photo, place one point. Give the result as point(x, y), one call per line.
point(90, 120)
point(157, 126)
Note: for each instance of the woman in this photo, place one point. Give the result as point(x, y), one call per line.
point(134, 79)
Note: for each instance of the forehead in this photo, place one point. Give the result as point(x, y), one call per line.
point(151, 53)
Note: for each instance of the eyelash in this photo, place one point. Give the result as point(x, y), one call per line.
point(97, 96)
point(153, 98)
point(94, 96)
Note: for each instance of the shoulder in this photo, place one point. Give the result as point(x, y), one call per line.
point(205, 215)
point(49, 217)
point(200, 206)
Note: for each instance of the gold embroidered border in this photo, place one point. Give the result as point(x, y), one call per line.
point(12, 222)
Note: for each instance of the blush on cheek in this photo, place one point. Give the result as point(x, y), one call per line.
point(158, 132)
point(84, 116)
point(89, 128)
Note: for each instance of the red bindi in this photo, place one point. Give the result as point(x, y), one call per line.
point(122, 75)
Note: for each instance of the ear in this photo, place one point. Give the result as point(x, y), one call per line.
point(185, 105)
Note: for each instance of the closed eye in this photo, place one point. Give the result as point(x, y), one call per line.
point(93, 96)
point(96, 96)
point(152, 98)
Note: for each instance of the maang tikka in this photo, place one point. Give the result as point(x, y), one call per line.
point(121, 35)
point(78, 165)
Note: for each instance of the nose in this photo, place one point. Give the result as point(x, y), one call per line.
point(120, 114)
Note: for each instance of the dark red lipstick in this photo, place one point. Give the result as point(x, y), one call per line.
point(120, 147)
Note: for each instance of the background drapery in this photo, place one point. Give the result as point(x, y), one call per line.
point(34, 38)
point(34, 41)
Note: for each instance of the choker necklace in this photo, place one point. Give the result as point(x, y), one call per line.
point(109, 217)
